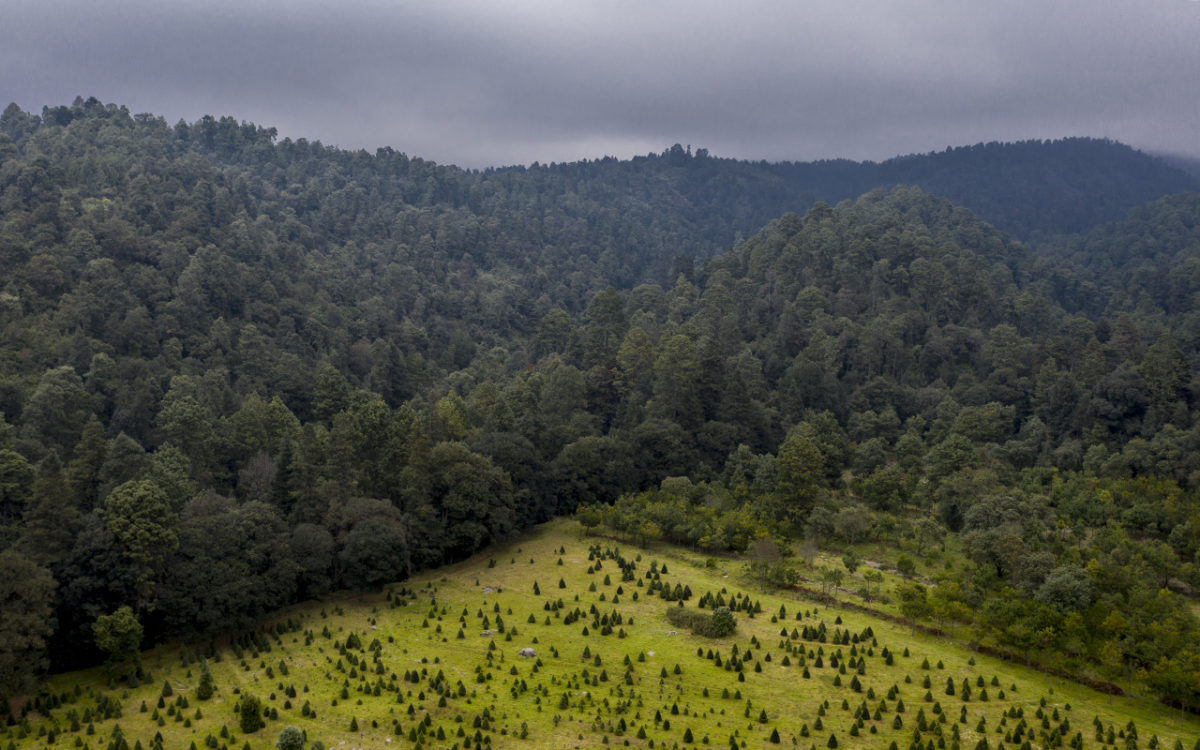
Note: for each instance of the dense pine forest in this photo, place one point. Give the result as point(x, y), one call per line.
point(238, 371)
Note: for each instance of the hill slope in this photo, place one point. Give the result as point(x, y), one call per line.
point(437, 663)
point(236, 373)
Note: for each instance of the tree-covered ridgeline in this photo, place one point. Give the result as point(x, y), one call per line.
point(237, 371)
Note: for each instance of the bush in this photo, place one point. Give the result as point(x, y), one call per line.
point(716, 625)
point(250, 714)
point(291, 738)
point(204, 690)
point(722, 622)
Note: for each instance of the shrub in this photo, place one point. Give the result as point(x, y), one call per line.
point(716, 625)
point(250, 714)
point(204, 690)
point(291, 738)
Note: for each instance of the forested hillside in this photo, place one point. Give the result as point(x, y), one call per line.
point(235, 372)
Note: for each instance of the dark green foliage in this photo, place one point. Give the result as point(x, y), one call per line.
point(236, 372)
point(120, 636)
point(27, 591)
point(205, 687)
point(717, 624)
point(290, 738)
point(250, 718)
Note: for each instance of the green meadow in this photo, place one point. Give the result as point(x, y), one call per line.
point(435, 662)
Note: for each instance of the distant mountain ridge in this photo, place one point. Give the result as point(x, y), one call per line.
point(1065, 186)
point(1031, 189)
point(1187, 164)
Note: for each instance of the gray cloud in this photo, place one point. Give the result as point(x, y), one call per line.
point(479, 83)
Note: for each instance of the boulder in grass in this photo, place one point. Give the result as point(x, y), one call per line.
point(527, 652)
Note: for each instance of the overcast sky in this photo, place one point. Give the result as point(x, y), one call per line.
point(487, 82)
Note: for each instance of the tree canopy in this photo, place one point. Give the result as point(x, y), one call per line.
point(237, 370)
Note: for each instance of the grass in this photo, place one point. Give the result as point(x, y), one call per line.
point(579, 691)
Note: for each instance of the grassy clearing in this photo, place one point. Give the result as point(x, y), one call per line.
point(407, 678)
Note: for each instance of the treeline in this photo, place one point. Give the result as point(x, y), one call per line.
point(1088, 577)
point(235, 372)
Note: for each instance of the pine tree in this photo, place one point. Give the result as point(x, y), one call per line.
point(250, 714)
